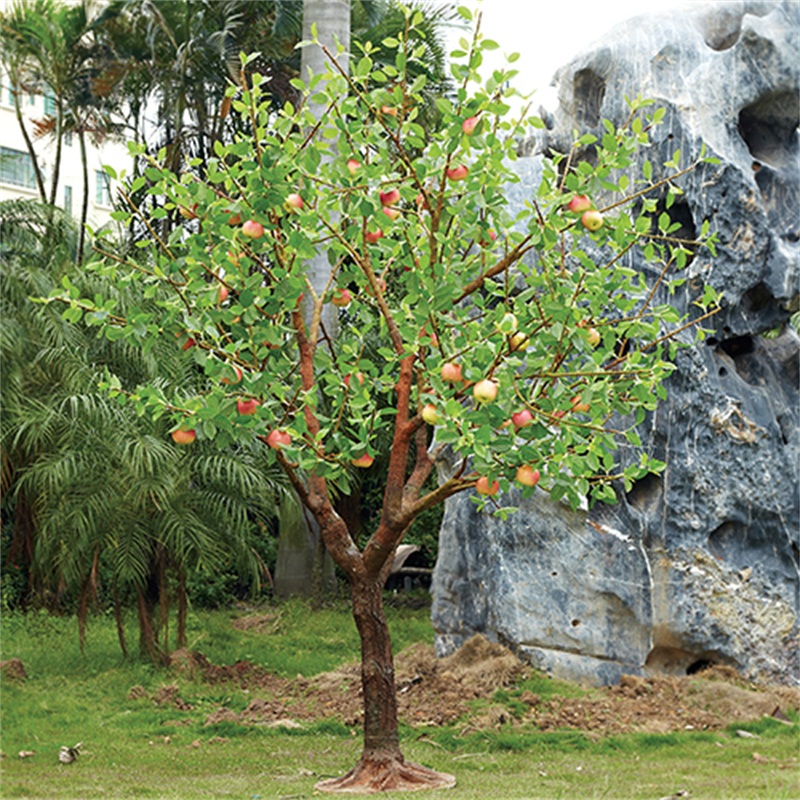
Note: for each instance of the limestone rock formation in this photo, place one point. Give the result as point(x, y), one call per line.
point(700, 564)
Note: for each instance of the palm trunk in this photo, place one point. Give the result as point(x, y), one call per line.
point(85, 203)
point(182, 609)
point(120, 624)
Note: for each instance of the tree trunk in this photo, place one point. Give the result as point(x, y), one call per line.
point(85, 202)
point(120, 623)
point(183, 607)
point(382, 766)
point(29, 145)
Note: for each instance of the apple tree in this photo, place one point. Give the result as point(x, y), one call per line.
point(462, 328)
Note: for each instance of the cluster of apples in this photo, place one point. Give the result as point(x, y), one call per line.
point(591, 218)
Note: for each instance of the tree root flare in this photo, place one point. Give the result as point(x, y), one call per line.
point(395, 775)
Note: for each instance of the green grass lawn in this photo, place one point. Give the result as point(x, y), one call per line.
point(134, 749)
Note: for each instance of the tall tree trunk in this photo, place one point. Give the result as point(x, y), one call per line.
point(85, 203)
point(382, 766)
point(120, 624)
point(57, 162)
point(29, 145)
point(299, 545)
point(183, 607)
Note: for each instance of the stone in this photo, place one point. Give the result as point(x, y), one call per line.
point(699, 565)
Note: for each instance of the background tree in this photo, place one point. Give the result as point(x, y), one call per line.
point(99, 503)
point(533, 360)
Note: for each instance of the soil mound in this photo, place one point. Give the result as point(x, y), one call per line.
point(463, 686)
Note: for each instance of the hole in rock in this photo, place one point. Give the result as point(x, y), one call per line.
point(645, 494)
point(589, 89)
point(554, 573)
point(769, 128)
point(681, 213)
point(722, 372)
point(698, 666)
point(737, 346)
point(757, 298)
point(575, 623)
point(666, 660)
point(711, 341)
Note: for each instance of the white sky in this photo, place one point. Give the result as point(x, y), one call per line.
point(548, 33)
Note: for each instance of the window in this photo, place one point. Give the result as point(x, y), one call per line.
point(68, 200)
point(102, 191)
point(49, 104)
point(16, 167)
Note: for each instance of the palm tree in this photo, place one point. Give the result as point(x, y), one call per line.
point(91, 489)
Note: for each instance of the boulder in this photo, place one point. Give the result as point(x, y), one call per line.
point(700, 564)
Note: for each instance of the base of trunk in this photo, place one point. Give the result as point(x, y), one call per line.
point(395, 775)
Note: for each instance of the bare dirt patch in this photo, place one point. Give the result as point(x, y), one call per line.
point(432, 691)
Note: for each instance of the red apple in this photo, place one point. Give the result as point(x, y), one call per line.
point(341, 297)
point(390, 110)
point(484, 487)
point(182, 436)
point(528, 476)
point(278, 439)
point(392, 213)
point(223, 293)
point(484, 391)
point(237, 376)
point(390, 197)
point(373, 236)
point(521, 419)
point(468, 125)
point(293, 202)
point(457, 173)
point(247, 407)
point(252, 229)
point(234, 219)
point(429, 414)
point(492, 236)
point(579, 204)
point(363, 461)
point(353, 166)
point(451, 372)
point(381, 287)
point(592, 220)
point(594, 336)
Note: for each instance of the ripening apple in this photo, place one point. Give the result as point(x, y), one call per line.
point(468, 125)
point(528, 476)
point(341, 297)
point(359, 378)
point(430, 414)
point(592, 220)
point(294, 202)
point(381, 287)
point(390, 110)
point(247, 407)
point(237, 373)
point(451, 372)
point(519, 341)
point(492, 236)
point(390, 198)
point(508, 324)
point(420, 200)
point(353, 166)
point(521, 419)
point(223, 293)
point(234, 219)
point(277, 439)
point(484, 391)
point(182, 436)
point(363, 461)
point(484, 487)
point(594, 336)
point(252, 229)
point(457, 173)
point(579, 204)
point(392, 213)
point(373, 236)
point(577, 405)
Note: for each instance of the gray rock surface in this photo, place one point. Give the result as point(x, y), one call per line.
point(700, 564)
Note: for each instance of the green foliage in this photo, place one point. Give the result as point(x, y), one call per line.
point(597, 339)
